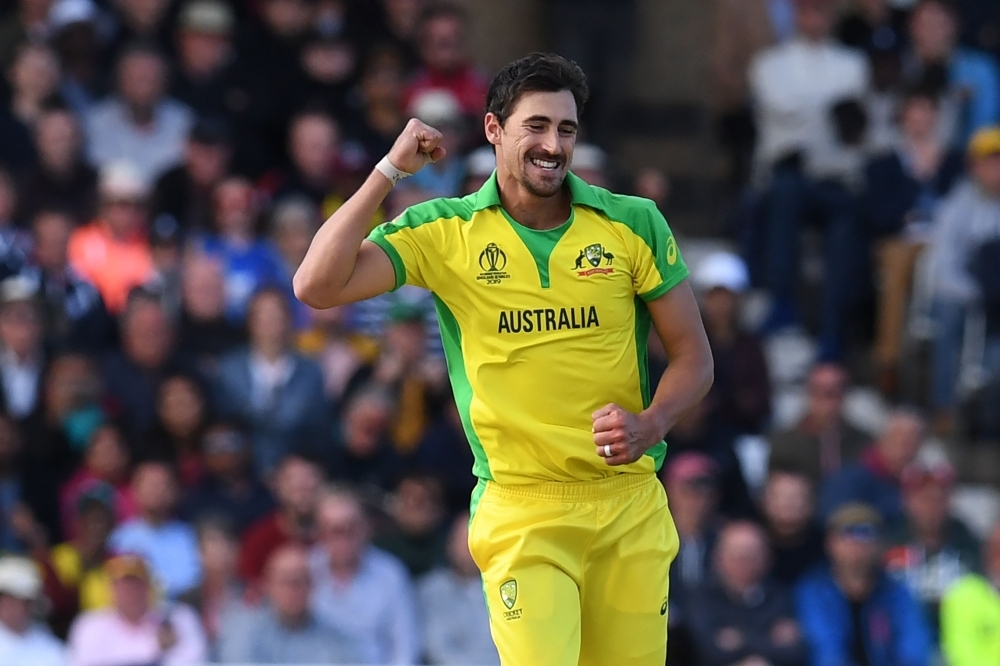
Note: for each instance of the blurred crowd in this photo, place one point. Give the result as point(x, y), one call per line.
point(195, 467)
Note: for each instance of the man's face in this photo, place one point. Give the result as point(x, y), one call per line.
point(288, 584)
point(343, 531)
point(35, 73)
point(535, 145)
point(181, 408)
point(141, 80)
point(131, 596)
point(720, 305)
point(58, 139)
point(126, 217)
point(695, 497)
point(854, 553)
point(15, 613)
point(267, 321)
point(147, 337)
point(95, 525)
point(52, 231)
point(203, 288)
point(143, 15)
point(297, 487)
point(442, 44)
point(155, 490)
point(365, 424)
point(933, 31)
point(826, 393)
point(899, 444)
point(235, 208)
point(927, 506)
point(814, 18)
point(919, 118)
point(314, 146)
point(417, 506)
point(207, 163)
point(741, 559)
point(788, 502)
point(986, 171)
point(20, 327)
point(286, 18)
point(107, 457)
point(202, 53)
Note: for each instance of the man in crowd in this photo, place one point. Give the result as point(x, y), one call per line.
point(136, 629)
point(169, 545)
point(930, 549)
point(876, 477)
point(823, 440)
point(22, 359)
point(851, 611)
point(456, 623)
point(360, 589)
point(970, 612)
point(789, 506)
point(741, 617)
point(286, 630)
point(22, 639)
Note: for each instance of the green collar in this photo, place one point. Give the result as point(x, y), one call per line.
point(580, 193)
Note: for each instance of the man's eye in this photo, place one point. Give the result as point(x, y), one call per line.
point(536, 128)
point(568, 131)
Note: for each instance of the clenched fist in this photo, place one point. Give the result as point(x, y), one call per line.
point(417, 145)
point(621, 436)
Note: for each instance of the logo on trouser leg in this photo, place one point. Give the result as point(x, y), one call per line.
point(663, 608)
point(508, 594)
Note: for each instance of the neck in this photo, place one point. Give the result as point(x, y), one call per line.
point(930, 538)
point(856, 585)
point(155, 518)
point(270, 351)
point(133, 618)
point(142, 115)
point(532, 211)
point(293, 620)
point(344, 571)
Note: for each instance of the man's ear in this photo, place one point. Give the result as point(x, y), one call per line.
point(492, 128)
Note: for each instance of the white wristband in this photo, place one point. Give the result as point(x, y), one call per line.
point(386, 168)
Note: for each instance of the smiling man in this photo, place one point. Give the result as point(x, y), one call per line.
point(546, 288)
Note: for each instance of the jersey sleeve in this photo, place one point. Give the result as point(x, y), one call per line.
point(657, 265)
point(405, 240)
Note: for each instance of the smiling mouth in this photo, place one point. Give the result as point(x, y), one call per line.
point(548, 165)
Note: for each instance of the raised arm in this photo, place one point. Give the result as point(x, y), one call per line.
point(341, 266)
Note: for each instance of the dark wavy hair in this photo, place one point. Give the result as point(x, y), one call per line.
point(537, 72)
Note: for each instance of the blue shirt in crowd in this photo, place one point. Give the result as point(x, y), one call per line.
point(170, 549)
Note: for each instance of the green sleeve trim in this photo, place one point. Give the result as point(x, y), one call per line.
point(656, 292)
point(393, 254)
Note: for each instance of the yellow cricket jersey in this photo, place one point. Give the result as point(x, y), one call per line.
point(540, 328)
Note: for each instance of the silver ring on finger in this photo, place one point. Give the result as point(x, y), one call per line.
point(607, 450)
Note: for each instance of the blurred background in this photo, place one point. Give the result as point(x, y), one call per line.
point(195, 467)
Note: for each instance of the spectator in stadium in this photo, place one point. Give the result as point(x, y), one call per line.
point(590, 163)
point(287, 630)
point(328, 61)
point(187, 191)
point(970, 612)
point(60, 179)
point(313, 149)
point(441, 110)
point(479, 166)
point(455, 621)
point(24, 640)
point(28, 21)
point(340, 352)
point(249, 263)
point(228, 487)
point(22, 359)
point(363, 454)
point(874, 25)
point(811, 164)
point(27, 484)
point(417, 534)
point(14, 243)
point(148, 355)
point(359, 589)
point(876, 478)
point(445, 449)
point(34, 79)
point(278, 392)
point(294, 222)
point(443, 35)
point(105, 466)
point(903, 191)
point(823, 440)
point(169, 545)
point(220, 591)
point(136, 629)
point(73, 313)
point(789, 505)
point(204, 331)
point(139, 124)
point(379, 114)
point(967, 224)
point(851, 611)
point(112, 252)
point(76, 36)
point(135, 21)
point(297, 483)
point(691, 481)
point(176, 435)
point(206, 63)
point(742, 385)
point(969, 79)
point(930, 549)
point(741, 616)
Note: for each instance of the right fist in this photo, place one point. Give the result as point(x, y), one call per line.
point(417, 145)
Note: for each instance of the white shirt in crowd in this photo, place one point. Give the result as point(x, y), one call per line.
point(36, 647)
point(20, 383)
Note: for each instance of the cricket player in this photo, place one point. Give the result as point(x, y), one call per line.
point(545, 290)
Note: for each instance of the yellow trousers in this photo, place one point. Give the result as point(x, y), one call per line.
point(576, 573)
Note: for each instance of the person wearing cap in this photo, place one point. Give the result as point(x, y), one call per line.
point(22, 358)
point(136, 629)
point(23, 640)
point(972, 78)
point(962, 258)
point(930, 548)
point(741, 616)
point(590, 163)
point(186, 192)
point(206, 62)
point(79, 562)
point(77, 38)
point(440, 109)
point(970, 612)
point(809, 166)
point(33, 80)
point(851, 611)
point(742, 384)
point(112, 252)
point(692, 483)
point(479, 166)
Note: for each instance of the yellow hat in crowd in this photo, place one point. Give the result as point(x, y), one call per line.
point(985, 142)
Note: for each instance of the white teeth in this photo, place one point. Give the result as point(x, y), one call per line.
point(544, 165)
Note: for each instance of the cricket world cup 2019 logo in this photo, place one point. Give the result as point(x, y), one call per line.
point(493, 261)
point(594, 254)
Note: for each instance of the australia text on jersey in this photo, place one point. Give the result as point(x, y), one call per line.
point(547, 319)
